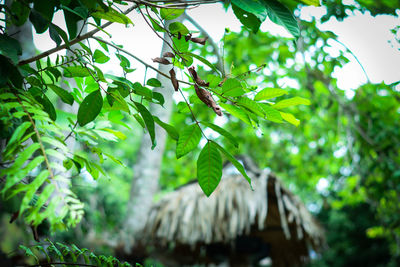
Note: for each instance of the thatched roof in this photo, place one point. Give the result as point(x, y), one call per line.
point(270, 213)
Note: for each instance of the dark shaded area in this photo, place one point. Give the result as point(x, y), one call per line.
point(347, 240)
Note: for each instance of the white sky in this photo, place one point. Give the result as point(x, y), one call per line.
point(366, 36)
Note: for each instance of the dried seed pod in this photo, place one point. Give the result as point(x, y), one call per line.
point(207, 99)
point(188, 37)
point(179, 35)
point(169, 54)
point(193, 72)
point(201, 41)
point(161, 60)
point(202, 82)
point(174, 81)
point(196, 78)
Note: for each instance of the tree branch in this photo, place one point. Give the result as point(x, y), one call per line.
point(358, 61)
point(74, 41)
point(178, 4)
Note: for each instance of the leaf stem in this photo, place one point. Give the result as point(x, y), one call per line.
point(47, 162)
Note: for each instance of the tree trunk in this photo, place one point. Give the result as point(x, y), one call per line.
point(147, 167)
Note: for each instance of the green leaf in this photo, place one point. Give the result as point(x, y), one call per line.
point(291, 102)
point(54, 142)
point(45, 8)
point(100, 57)
point(176, 27)
point(71, 21)
point(214, 80)
point(310, 2)
point(10, 47)
point(20, 173)
point(48, 107)
point(271, 114)
point(186, 60)
point(21, 12)
point(60, 32)
point(154, 82)
point(159, 97)
point(65, 96)
point(24, 156)
point(237, 112)
point(18, 133)
point(139, 120)
point(181, 45)
point(290, 118)
point(209, 168)
point(188, 140)
point(254, 7)
point(149, 121)
point(222, 132)
point(182, 107)
point(39, 22)
point(117, 101)
point(102, 44)
point(281, 15)
point(42, 199)
point(90, 108)
point(170, 13)
point(232, 87)
point(203, 60)
point(143, 91)
point(247, 19)
point(112, 15)
point(172, 132)
point(251, 105)
point(268, 93)
point(156, 25)
point(39, 180)
point(235, 163)
point(54, 35)
point(79, 11)
point(76, 71)
point(28, 252)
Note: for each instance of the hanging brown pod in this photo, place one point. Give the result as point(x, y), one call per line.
point(188, 37)
point(169, 54)
point(207, 99)
point(201, 41)
point(196, 78)
point(174, 81)
point(161, 60)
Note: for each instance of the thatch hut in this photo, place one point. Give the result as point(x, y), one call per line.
point(235, 226)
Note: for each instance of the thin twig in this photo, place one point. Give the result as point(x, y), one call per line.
point(159, 36)
point(358, 61)
point(37, 135)
point(194, 117)
point(74, 41)
point(210, 41)
point(175, 4)
point(72, 130)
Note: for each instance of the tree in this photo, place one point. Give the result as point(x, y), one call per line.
point(28, 93)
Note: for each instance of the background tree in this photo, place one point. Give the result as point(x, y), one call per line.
point(37, 131)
